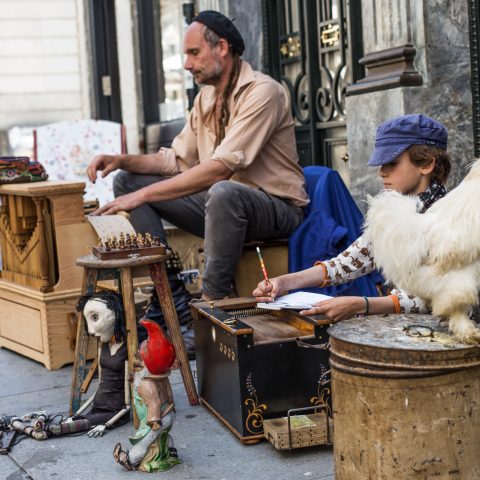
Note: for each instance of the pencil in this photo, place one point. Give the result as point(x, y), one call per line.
point(262, 264)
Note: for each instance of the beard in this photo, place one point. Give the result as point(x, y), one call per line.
point(208, 78)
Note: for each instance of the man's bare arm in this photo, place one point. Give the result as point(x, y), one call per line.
point(151, 163)
point(193, 180)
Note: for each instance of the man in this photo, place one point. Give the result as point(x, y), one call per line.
point(232, 174)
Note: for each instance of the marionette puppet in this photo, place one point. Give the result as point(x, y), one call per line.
point(110, 405)
point(152, 445)
point(103, 312)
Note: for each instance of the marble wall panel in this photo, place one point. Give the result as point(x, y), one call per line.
point(392, 23)
point(248, 20)
point(445, 95)
point(365, 112)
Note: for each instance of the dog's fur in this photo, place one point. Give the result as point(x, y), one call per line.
point(434, 255)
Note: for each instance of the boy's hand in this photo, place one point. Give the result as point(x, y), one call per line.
point(337, 309)
point(267, 292)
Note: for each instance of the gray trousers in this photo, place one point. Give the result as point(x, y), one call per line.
point(226, 216)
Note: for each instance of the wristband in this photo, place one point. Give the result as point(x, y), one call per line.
point(367, 305)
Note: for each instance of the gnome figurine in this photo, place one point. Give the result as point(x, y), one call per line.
point(152, 445)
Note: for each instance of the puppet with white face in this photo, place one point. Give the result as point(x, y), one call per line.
point(103, 313)
point(110, 405)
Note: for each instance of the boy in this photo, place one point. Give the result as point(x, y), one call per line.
point(411, 153)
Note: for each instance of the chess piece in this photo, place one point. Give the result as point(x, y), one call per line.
point(128, 241)
point(148, 240)
point(114, 243)
point(134, 242)
point(121, 241)
point(140, 240)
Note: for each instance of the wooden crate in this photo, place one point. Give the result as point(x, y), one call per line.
point(306, 431)
point(39, 326)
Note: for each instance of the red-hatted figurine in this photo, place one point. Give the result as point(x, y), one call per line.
point(153, 449)
point(156, 351)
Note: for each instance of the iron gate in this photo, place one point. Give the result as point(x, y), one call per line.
point(312, 47)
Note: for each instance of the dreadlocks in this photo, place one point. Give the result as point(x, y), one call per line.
point(225, 112)
point(213, 39)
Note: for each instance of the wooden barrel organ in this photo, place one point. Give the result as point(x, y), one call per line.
point(43, 231)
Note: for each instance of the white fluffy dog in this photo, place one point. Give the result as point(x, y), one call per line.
point(434, 255)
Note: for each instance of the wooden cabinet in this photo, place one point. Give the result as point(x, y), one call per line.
point(43, 231)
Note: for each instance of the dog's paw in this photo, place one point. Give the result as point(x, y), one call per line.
point(464, 330)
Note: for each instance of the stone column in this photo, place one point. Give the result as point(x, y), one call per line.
point(130, 73)
point(418, 61)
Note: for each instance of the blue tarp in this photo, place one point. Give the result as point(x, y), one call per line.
point(332, 222)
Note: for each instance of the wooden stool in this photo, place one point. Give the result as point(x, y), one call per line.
point(125, 270)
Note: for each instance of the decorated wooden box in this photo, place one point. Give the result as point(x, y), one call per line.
point(255, 364)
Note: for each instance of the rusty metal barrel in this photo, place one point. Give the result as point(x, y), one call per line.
point(406, 400)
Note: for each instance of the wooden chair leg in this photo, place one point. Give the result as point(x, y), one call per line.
point(90, 276)
point(160, 280)
point(126, 286)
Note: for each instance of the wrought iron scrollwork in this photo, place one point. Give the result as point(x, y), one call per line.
point(299, 97)
point(311, 54)
point(324, 99)
point(340, 88)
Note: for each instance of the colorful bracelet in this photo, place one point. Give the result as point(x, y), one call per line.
point(367, 305)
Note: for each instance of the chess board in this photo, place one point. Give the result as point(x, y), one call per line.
point(128, 246)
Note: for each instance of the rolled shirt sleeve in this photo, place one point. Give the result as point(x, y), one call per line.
point(183, 153)
point(255, 120)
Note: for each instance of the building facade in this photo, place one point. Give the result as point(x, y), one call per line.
point(348, 66)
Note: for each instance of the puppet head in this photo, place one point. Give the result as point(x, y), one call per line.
point(103, 313)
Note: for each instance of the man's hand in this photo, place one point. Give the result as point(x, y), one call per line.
point(267, 292)
point(102, 163)
point(125, 203)
point(97, 431)
point(337, 309)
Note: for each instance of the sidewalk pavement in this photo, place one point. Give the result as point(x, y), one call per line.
point(208, 450)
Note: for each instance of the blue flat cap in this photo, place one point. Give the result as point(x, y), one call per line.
point(396, 135)
point(223, 27)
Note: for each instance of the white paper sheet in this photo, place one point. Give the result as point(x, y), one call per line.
point(109, 225)
point(295, 301)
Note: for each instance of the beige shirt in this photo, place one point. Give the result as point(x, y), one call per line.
point(259, 144)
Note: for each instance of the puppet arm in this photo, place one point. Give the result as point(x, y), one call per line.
point(99, 430)
point(84, 406)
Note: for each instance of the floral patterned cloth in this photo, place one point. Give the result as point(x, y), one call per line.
point(66, 148)
point(21, 170)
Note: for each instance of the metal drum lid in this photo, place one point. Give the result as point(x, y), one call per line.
point(392, 345)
